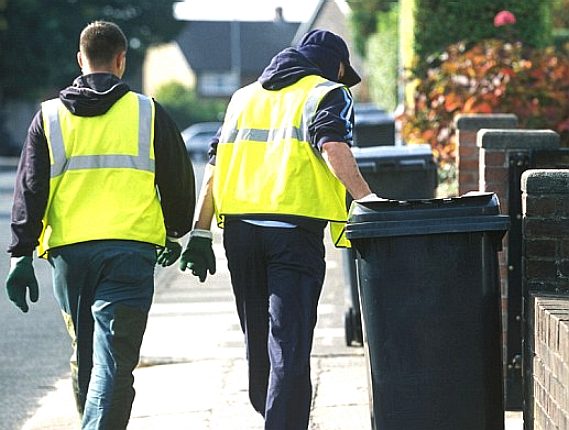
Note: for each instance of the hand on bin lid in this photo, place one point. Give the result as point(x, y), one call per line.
point(372, 197)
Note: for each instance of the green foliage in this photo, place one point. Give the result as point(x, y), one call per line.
point(363, 20)
point(560, 13)
point(39, 38)
point(490, 76)
point(186, 107)
point(382, 55)
point(439, 23)
point(561, 38)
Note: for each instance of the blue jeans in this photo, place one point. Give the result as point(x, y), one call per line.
point(277, 276)
point(104, 289)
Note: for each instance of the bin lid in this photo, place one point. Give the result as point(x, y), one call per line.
point(370, 114)
point(475, 211)
point(372, 119)
point(394, 151)
point(375, 157)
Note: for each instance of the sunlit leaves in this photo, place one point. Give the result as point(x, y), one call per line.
point(39, 39)
point(490, 76)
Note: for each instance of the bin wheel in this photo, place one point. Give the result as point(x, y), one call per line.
point(357, 328)
point(348, 327)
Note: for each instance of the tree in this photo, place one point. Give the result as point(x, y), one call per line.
point(363, 19)
point(383, 60)
point(186, 107)
point(39, 39)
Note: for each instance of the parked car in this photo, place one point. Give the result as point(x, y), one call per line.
point(8, 146)
point(197, 138)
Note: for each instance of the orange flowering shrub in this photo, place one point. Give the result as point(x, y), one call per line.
point(488, 77)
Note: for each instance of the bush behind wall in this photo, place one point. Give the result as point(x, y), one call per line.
point(436, 24)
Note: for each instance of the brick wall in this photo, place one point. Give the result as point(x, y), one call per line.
point(502, 154)
point(467, 161)
point(550, 352)
point(545, 202)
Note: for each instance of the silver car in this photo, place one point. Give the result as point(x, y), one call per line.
point(197, 138)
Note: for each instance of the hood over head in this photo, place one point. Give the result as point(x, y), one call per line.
point(318, 53)
point(327, 50)
point(93, 94)
point(287, 67)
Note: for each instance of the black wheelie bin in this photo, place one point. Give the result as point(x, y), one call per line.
point(373, 126)
point(393, 172)
point(429, 284)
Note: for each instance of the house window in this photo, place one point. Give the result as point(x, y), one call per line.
point(218, 84)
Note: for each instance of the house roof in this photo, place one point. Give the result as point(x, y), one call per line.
point(318, 10)
point(207, 44)
point(308, 25)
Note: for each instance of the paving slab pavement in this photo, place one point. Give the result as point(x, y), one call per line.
point(193, 370)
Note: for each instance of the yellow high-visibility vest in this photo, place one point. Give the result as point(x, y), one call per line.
point(102, 182)
point(265, 164)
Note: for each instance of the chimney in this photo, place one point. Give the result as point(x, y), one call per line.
point(279, 14)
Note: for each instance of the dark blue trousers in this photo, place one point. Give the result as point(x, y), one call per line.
point(277, 276)
point(104, 289)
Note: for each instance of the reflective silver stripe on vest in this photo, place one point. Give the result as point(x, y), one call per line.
point(299, 133)
point(140, 162)
point(144, 129)
point(106, 162)
point(312, 103)
point(55, 138)
point(260, 135)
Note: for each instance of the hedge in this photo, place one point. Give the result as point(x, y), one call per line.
point(436, 24)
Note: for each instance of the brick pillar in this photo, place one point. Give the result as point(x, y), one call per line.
point(545, 202)
point(504, 155)
point(467, 161)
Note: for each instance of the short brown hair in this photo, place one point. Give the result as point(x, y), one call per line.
point(101, 41)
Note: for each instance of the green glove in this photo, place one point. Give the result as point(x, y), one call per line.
point(170, 253)
point(199, 256)
point(20, 278)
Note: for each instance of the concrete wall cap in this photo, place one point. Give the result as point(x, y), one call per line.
point(476, 121)
point(545, 181)
point(517, 139)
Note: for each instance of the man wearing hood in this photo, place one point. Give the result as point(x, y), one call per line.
point(104, 181)
point(278, 173)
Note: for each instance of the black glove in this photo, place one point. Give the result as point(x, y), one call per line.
point(169, 254)
point(199, 256)
point(21, 278)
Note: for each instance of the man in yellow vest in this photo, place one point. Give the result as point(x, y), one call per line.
point(278, 174)
point(104, 182)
